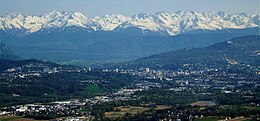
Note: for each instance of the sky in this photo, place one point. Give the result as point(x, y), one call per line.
point(93, 8)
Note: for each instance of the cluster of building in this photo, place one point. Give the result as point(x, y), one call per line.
point(63, 108)
point(28, 71)
point(200, 78)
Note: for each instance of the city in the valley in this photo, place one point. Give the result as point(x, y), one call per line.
point(190, 92)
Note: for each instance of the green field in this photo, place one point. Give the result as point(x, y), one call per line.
point(93, 89)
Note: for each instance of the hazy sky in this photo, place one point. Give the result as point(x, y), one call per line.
point(126, 7)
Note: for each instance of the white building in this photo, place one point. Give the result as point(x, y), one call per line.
point(147, 70)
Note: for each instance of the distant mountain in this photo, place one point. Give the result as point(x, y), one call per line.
point(163, 23)
point(67, 36)
point(6, 53)
point(109, 46)
point(240, 50)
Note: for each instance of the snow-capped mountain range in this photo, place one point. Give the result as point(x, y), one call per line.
point(171, 23)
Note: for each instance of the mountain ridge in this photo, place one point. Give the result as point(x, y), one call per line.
point(168, 23)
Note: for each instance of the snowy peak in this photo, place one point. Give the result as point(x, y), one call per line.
point(110, 22)
point(63, 19)
point(171, 23)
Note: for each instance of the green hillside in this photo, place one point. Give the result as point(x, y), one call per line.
point(238, 50)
